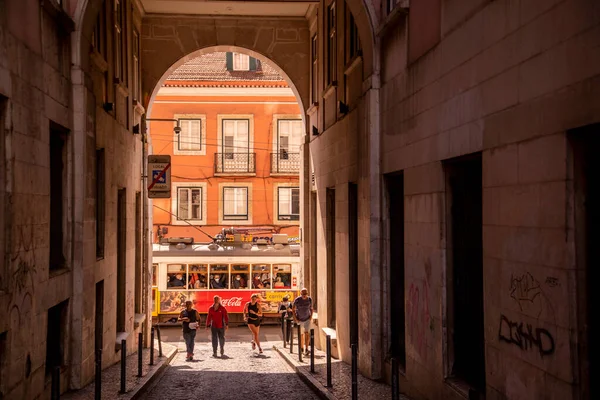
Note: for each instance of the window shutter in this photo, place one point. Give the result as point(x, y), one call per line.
point(252, 64)
point(229, 60)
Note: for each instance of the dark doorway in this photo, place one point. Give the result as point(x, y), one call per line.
point(313, 250)
point(3, 358)
point(353, 260)
point(395, 198)
point(330, 218)
point(585, 142)
point(465, 270)
point(99, 316)
point(138, 253)
point(56, 336)
point(58, 140)
point(121, 258)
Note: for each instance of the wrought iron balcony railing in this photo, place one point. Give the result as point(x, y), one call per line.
point(285, 163)
point(235, 163)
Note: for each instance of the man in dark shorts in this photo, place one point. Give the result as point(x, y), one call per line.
point(190, 319)
point(302, 312)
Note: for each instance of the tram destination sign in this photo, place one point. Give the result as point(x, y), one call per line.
point(159, 176)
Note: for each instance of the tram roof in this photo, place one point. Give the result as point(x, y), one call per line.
point(224, 251)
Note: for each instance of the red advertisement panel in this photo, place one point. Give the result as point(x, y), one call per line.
point(172, 302)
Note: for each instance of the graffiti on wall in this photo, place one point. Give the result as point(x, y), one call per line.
point(529, 295)
point(418, 316)
point(525, 336)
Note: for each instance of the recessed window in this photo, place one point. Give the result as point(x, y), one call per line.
point(58, 138)
point(235, 137)
point(331, 44)
point(353, 48)
point(314, 52)
point(189, 203)
point(235, 203)
point(56, 335)
point(190, 137)
point(137, 69)
point(288, 200)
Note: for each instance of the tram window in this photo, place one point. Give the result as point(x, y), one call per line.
point(239, 276)
point(154, 274)
point(197, 276)
point(261, 276)
point(219, 277)
point(176, 276)
point(282, 276)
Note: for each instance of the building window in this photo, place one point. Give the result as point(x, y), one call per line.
point(314, 55)
point(58, 137)
point(137, 68)
point(100, 202)
point(288, 204)
point(99, 32)
point(353, 48)
point(189, 203)
point(56, 336)
point(121, 236)
point(331, 45)
point(241, 62)
point(120, 41)
point(235, 137)
point(289, 136)
point(190, 137)
point(235, 203)
point(286, 158)
point(4, 213)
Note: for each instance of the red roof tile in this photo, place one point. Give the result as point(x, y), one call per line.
point(212, 68)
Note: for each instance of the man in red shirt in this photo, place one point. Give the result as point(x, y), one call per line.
point(218, 320)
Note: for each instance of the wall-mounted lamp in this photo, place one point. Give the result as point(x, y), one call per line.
point(315, 131)
point(108, 107)
point(176, 129)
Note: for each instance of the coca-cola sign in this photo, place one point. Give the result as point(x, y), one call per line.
point(172, 302)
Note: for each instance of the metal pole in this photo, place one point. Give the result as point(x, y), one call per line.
point(395, 391)
point(98, 383)
point(354, 371)
point(123, 365)
point(55, 390)
point(152, 346)
point(160, 354)
point(312, 351)
point(329, 361)
point(291, 338)
point(284, 330)
point(140, 352)
point(299, 344)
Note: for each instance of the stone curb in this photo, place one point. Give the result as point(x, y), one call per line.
point(150, 378)
point(306, 376)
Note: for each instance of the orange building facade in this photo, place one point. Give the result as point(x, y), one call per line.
point(235, 161)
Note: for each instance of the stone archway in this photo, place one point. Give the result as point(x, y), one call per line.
point(168, 42)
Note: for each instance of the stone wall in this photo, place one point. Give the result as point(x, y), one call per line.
point(508, 79)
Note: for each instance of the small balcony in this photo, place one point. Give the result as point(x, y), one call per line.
point(285, 163)
point(235, 163)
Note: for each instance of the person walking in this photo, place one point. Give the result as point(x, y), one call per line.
point(302, 311)
point(190, 319)
point(218, 321)
point(285, 309)
point(252, 315)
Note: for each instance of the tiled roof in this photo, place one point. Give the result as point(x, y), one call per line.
point(212, 67)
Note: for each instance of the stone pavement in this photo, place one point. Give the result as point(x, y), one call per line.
point(111, 376)
point(341, 377)
point(240, 374)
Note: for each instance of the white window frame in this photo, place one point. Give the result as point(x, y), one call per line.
point(176, 137)
point(249, 117)
point(240, 62)
point(283, 117)
point(276, 188)
point(175, 206)
point(222, 220)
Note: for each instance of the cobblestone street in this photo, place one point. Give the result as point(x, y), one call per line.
point(240, 374)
